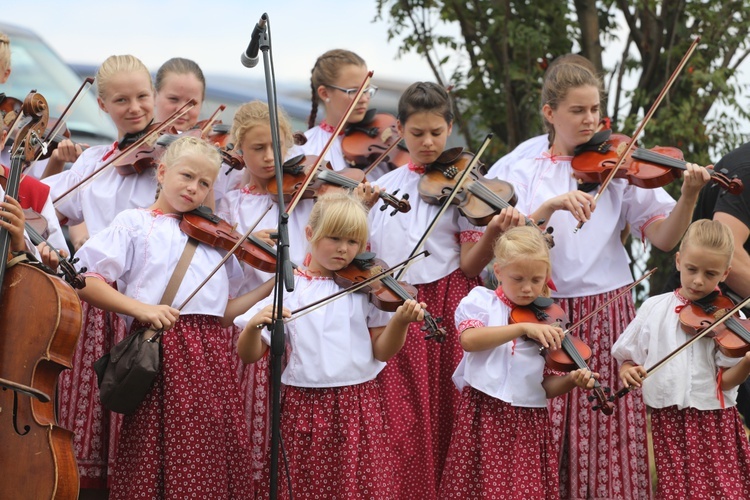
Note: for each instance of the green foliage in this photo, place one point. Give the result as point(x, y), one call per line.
point(495, 53)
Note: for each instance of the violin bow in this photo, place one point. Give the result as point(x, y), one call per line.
point(210, 275)
point(329, 144)
point(346, 291)
point(138, 143)
point(444, 207)
point(631, 145)
point(617, 296)
point(60, 120)
point(211, 119)
point(396, 141)
point(622, 392)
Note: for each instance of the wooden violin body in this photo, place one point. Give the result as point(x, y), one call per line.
point(41, 321)
point(645, 168)
point(732, 337)
point(386, 293)
point(206, 227)
point(574, 354)
point(365, 141)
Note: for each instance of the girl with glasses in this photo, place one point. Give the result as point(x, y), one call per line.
point(336, 77)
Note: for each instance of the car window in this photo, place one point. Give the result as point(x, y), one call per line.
point(36, 66)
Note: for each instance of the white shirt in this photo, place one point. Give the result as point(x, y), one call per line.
point(331, 346)
point(689, 380)
point(393, 238)
point(530, 148)
point(317, 138)
point(244, 206)
point(109, 193)
point(593, 260)
point(30, 247)
point(512, 372)
point(140, 250)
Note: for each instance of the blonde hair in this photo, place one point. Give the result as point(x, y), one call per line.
point(523, 243)
point(117, 64)
point(559, 80)
point(187, 146)
point(252, 114)
point(712, 235)
point(339, 214)
point(326, 71)
point(179, 66)
point(4, 52)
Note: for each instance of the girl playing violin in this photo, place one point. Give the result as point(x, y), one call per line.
point(700, 446)
point(420, 401)
point(588, 268)
point(332, 416)
point(126, 94)
point(502, 440)
point(192, 415)
point(335, 78)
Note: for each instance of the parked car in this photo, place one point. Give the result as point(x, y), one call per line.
point(231, 92)
point(35, 65)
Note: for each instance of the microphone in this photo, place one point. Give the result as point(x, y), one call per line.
point(249, 58)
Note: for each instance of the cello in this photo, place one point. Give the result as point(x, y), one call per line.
point(40, 320)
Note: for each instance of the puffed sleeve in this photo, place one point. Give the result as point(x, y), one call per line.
point(632, 345)
point(473, 310)
point(109, 253)
point(72, 206)
point(641, 207)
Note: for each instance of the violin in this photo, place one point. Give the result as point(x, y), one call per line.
point(732, 337)
point(574, 354)
point(144, 157)
point(645, 168)
point(203, 225)
point(366, 140)
point(296, 169)
point(386, 294)
point(480, 198)
point(10, 108)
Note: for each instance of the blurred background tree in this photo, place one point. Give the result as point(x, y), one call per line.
point(494, 53)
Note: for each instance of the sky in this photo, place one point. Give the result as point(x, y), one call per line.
point(214, 34)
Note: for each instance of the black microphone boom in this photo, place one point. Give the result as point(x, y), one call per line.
point(250, 58)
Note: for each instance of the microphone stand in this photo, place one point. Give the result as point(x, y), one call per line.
point(283, 264)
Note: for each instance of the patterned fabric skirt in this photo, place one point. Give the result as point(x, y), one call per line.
point(601, 457)
point(420, 397)
point(79, 410)
point(500, 451)
point(188, 439)
point(255, 397)
point(700, 454)
point(335, 443)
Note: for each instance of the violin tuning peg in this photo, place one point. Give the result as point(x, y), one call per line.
point(607, 390)
point(591, 399)
point(596, 408)
point(395, 192)
point(383, 208)
point(405, 196)
point(395, 211)
point(611, 399)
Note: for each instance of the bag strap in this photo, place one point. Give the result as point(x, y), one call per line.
point(151, 335)
point(179, 271)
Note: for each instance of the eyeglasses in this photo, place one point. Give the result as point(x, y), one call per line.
point(350, 93)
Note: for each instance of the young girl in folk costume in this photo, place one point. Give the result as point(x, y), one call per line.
point(420, 398)
point(251, 132)
point(502, 440)
point(335, 78)
point(601, 456)
point(188, 437)
point(126, 94)
point(700, 446)
point(332, 419)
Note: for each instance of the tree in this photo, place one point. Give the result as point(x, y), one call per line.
point(496, 51)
